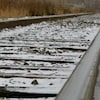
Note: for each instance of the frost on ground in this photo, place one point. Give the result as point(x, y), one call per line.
point(28, 99)
point(39, 58)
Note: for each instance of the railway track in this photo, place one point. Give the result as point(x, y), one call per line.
point(36, 60)
point(27, 21)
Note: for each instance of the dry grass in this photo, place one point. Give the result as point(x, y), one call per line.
point(13, 13)
point(19, 8)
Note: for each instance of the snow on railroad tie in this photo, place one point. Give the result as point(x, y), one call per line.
point(36, 60)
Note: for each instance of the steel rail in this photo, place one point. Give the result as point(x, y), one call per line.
point(80, 85)
point(24, 22)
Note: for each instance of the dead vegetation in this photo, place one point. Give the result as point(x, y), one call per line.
point(19, 8)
